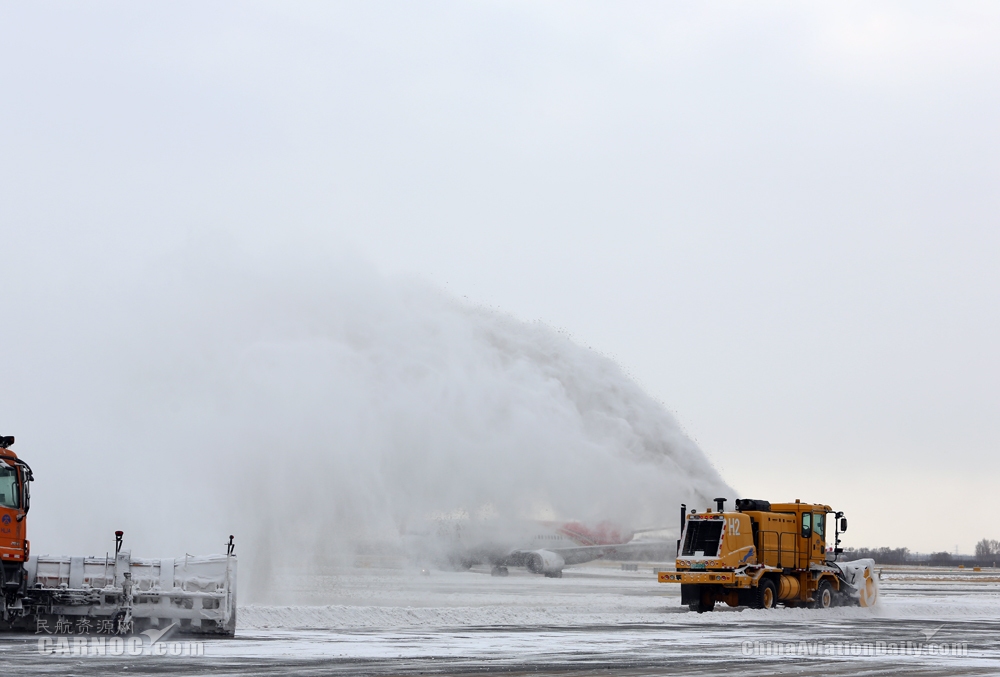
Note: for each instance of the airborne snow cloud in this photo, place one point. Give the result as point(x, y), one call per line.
point(305, 407)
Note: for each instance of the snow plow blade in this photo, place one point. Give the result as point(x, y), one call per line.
point(124, 595)
point(858, 582)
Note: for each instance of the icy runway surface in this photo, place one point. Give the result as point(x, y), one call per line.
point(596, 619)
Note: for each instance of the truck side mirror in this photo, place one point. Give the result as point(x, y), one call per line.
point(843, 524)
point(25, 492)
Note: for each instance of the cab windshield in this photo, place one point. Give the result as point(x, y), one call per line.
point(702, 539)
point(9, 495)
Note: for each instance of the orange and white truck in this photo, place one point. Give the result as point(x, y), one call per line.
point(111, 594)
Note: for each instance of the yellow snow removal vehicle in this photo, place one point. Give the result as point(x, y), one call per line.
point(765, 554)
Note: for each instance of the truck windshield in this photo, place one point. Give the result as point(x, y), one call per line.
point(702, 539)
point(9, 496)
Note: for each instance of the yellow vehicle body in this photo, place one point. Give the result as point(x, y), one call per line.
point(759, 555)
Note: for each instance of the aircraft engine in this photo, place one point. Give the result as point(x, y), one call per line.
point(544, 562)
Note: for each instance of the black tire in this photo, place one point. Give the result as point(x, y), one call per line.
point(706, 603)
point(767, 595)
point(825, 596)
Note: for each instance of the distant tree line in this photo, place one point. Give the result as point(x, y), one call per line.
point(987, 554)
point(987, 548)
point(944, 559)
point(880, 555)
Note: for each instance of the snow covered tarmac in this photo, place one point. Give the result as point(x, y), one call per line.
point(595, 619)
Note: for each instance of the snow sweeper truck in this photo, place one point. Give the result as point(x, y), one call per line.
point(763, 554)
point(114, 594)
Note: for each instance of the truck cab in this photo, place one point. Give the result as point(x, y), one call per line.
point(15, 476)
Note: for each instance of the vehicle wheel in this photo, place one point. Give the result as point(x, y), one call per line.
point(825, 597)
point(767, 595)
point(706, 603)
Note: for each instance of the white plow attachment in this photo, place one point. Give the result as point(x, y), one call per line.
point(858, 581)
point(122, 594)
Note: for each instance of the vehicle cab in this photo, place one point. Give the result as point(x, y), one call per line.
point(15, 476)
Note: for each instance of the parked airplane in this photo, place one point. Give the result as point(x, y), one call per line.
point(542, 547)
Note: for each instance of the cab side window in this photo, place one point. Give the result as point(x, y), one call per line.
point(818, 524)
point(806, 524)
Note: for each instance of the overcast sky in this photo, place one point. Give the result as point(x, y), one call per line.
point(779, 218)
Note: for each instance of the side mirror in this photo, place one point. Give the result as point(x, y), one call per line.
point(843, 524)
point(25, 492)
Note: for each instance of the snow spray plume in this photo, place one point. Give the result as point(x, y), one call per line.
point(307, 412)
